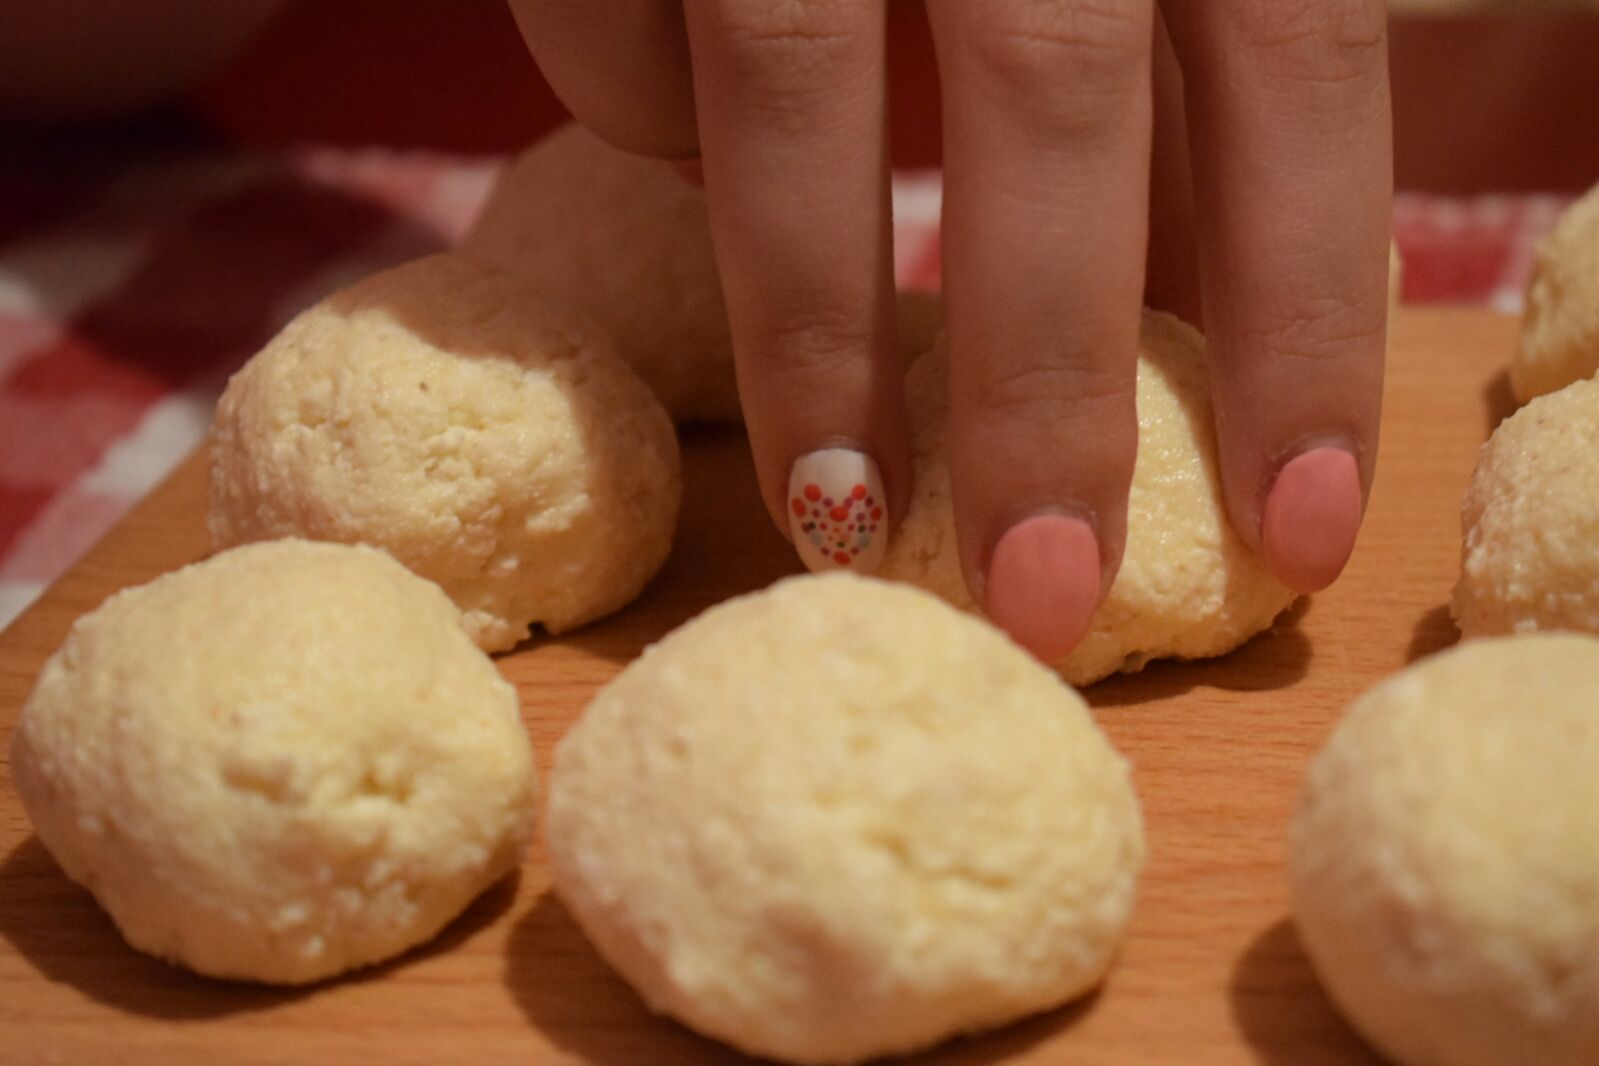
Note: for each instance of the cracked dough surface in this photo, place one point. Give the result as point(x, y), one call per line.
point(1530, 519)
point(1188, 587)
point(574, 219)
point(796, 825)
point(494, 444)
point(1445, 857)
point(279, 764)
point(1560, 328)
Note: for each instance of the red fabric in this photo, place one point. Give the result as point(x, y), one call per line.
point(454, 75)
point(129, 288)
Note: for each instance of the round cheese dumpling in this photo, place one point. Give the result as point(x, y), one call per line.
point(1560, 328)
point(492, 443)
point(1445, 857)
point(574, 219)
point(838, 819)
point(1531, 521)
point(1396, 276)
point(1188, 587)
point(279, 764)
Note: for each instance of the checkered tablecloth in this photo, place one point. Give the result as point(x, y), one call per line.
point(130, 287)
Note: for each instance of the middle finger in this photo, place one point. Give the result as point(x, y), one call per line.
point(1047, 134)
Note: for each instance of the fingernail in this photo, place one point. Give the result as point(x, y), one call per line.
point(837, 514)
point(1311, 517)
point(1043, 583)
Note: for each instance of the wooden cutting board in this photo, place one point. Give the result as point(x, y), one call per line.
point(1211, 973)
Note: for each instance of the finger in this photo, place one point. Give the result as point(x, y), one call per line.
point(691, 171)
point(1171, 270)
point(1046, 149)
point(1288, 116)
point(621, 67)
point(791, 114)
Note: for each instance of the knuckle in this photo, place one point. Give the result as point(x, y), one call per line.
point(1333, 42)
point(782, 54)
point(1072, 59)
point(1319, 330)
point(817, 348)
point(1052, 392)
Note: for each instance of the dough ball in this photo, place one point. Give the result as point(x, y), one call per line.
point(918, 321)
point(1531, 521)
point(837, 819)
point(575, 219)
point(1188, 586)
point(1560, 328)
point(1396, 276)
point(1445, 857)
point(495, 445)
point(279, 764)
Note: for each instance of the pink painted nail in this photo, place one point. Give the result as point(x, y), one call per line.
point(1043, 583)
point(1311, 517)
point(837, 514)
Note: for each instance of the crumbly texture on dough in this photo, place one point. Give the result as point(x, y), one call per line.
point(494, 444)
point(575, 219)
point(1560, 328)
point(1445, 857)
point(279, 764)
point(1530, 520)
point(1188, 587)
point(838, 819)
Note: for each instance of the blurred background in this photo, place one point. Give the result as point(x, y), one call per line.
point(180, 177)
point(1487, 96)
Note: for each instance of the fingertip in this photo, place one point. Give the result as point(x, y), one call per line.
point(1043, 583)
point(1312, 517)
point(837, 514)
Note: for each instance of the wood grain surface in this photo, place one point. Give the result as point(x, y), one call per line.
point(1211, 972)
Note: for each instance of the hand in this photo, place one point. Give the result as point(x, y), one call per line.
point(1253, 136)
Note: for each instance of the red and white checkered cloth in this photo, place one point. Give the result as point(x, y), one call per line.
point(130, 289)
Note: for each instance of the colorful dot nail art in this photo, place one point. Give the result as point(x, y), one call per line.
point(835, 512)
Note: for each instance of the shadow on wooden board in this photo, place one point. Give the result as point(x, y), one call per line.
point(62, 932)
point(1435, 631)
point(1271, 660)
point(1498, 402)
point(725, 546)
point(1282, 1011)
point(569, 993)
